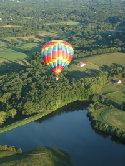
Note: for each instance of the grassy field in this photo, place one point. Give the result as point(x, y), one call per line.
point(29, 45)
point(11, 26)
point(2, 44)
point(114, 117)
point(18, 53)
point(111, 116)
point(114, 92)
point(107, 59)
point(12, 55)
point(45, 33)
point(40, 156)
point(63, 23)
point(5, 153)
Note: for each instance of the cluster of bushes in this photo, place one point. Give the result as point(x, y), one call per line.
point(7, 114)
point(10, 148)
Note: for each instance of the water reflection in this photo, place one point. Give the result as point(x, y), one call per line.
point(74, 106)
point(77, 105)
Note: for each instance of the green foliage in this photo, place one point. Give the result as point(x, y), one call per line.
point(12, 113)
point(35, 89)
point(2, 116)
point(95, 98)
point(19, 151)
point(10, 148)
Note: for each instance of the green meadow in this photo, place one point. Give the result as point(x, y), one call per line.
point(63, 23)
point(12, 55)
point(18, 53)
point(114, 93)
point(107, 59)
point(110, 116)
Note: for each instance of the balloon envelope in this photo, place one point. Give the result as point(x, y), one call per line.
point(57, 54)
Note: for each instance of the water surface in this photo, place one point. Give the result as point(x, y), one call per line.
point(71, 132)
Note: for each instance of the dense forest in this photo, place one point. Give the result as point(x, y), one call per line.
point(35, 89)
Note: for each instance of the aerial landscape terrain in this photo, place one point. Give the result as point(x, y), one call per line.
point(71, 118)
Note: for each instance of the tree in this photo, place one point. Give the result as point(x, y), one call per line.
point(12, 113)
point(2, 116)
point(19, 151)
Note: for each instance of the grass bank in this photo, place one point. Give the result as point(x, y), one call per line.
point(24, 121)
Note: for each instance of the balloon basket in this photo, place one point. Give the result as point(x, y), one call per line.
point(57, 77)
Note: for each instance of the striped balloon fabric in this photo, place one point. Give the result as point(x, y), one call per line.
point(57, 54)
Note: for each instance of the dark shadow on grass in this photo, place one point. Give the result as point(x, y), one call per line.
point(76, 74)
point(110, 102)
point(8, 68)
point(5, 41)
point(13, 158)
point(45, 38)
point(105, 68)
point(27, 50)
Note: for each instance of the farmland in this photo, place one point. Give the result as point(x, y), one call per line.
point(107, 59)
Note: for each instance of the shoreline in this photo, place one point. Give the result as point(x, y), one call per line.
point(34, 117)
point(98, 125)
point(116, 133)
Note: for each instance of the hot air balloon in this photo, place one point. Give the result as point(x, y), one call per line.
point(57, 54)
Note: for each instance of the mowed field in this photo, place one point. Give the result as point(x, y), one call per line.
point(11, 55)
point(18, 53)
point(107, 59)
point(112, 115)
point(114, 93)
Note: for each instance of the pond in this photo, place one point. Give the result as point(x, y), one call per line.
point(71, 132)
